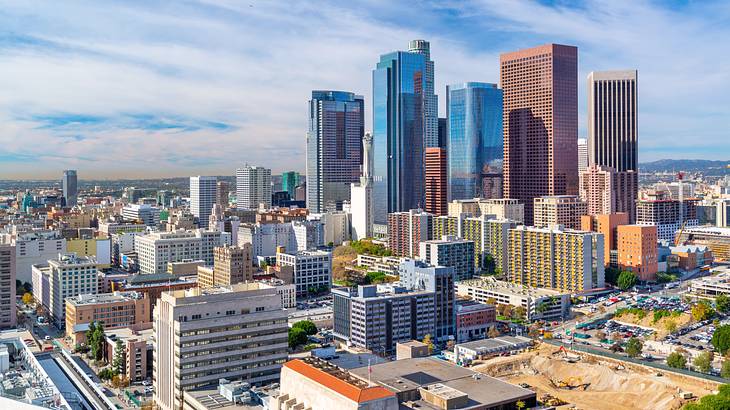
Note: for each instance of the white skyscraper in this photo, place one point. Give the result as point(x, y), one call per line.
point(202, 197)
point(582, 155)
point(361, 202)
point(430, 101)
point(253, 187)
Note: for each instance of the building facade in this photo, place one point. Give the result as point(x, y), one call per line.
point(311, 270)
point(361, 195)
point(66, 276)
point(604, 190)
point(112, 310)
point(668, 215)
point(608, 226)
point(436, 184)
point(565, 210)
point(450, 251)
point(406, 230)
point(69, 184)
point(637, 250)
point(203, 195)
point(253, 187)
point(8, 317)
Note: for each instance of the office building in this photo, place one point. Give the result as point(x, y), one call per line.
point(158, 248)
point(604, 190)
point(113, 310)
point(436, 184)
point(222, 189)
point(666, 216)
point(290, 182)
point(311, 271)
point(450, 251)
point(606, 225)
point(137, 345)
point(570, 261)
point(416, 275)
point(405, 122)
point(582, 155)
point(722, 213)
point(334, 142)
point(232, 264)
point(145, 214)
point(502, 208)
point(443, 132)
point(483, 290)
point(473, 320)
point(475, 141)
point(69, 184)
point(564, 210)
point(336, 227)
point(151, 285)
point(204, 335)
point(63, 277)
point(8, 317)
point(637, 250)
point(361, 198)
point(33, 247)
point(202, 197)
point(253, 187)
point(406, 230)
point(540, 87)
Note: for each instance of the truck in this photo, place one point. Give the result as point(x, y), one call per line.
point(581, 335)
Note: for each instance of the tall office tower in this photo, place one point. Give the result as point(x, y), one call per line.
point(70, 187)
point(361, 198)
point(582, 155)
point(474, 112)
point(334, 148)
point(540, 123)
point(612, 126)
point(290, 182)
point(436, 181)
point(399, 131)
point(430, 99)
point(222, 189)
point(7, 286)
point(604, 190)
point(204, 335)
point(202, 198)
point(406, 230)
point(443, 132)
point(564, 210)
point(253, 187)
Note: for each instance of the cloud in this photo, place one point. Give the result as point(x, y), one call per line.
point(129, 89)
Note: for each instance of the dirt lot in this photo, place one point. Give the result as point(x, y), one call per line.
point(606, 387)
point(661, 326)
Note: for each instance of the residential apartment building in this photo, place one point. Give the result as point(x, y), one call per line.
point(311, 270)
point(666, 216)
point(406, 230)
point(564, 210)
point(503, 208)
point(8, 318)
point(604, 191)
point(253, 187)
point(58, 279)
point(137, 350)
point(450, 251)
point(158, 248)
point(637, 250)
point(113, 310)
point(204, 335)
point(606, 225)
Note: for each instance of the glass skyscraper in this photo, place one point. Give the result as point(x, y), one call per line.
point(334, 148)
point(475, 142)
point(404, 114)
point(69, 185)
point(289, 182)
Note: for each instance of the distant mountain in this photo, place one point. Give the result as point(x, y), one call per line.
point(688, 165)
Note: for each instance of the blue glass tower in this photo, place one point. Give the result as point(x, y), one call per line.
point(399, 132)
point(475, 141)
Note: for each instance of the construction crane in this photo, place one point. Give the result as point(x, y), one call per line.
point(680, 177)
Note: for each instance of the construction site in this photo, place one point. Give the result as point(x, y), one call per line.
point(576, 380)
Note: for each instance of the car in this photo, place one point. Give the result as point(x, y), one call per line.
point(146, 383)
point(47, 337)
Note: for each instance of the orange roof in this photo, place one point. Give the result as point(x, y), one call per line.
point(339, 386)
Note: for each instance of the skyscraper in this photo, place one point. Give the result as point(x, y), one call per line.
point(334, 151)
point(400, 127)
point(221, 194)
point(540, 123)
point(289, 182)
point(430, 100)
point(612, 126)
point(582, 155)
point(475, 147)
point(202, 197)
point(70, 187)
point(253, 187)
point(436, 183)
point(361, 202)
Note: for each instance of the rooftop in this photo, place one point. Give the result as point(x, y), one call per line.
point(509, 287)
point(102, 298)
point(495, 343)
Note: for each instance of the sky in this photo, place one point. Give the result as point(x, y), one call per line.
point(147, 88)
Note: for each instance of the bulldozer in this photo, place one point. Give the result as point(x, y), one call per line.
point(571, 383)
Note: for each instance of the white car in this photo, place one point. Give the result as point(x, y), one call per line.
point(47, 337)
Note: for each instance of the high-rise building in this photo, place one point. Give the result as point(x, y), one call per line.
point(222, 189)
point(204, 335)
point(637, 250)
point(156, 249)
point(70, 187)
point(475, 141)
point(450, 251)
point(311, 270)
point(604, 190)
point(540, 117)
point(402, 123)
point(290, 182)
point(63, 277)
point(253, 187)
point(202, 198)
point(665, 215)
point(8, 316)
point(417, 275)
point(334, 148)
point(406, 230)
point(436, 181)
point(443, 132)
point(232, 264)
point(361, 198)
point(606, 224)
point(564, 210)
point(147, 214)
point(613, 128)
point(582, 155)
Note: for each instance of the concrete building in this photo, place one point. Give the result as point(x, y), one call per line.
point(66, 276)
point(416, 275)
point(33, 247)
point(436, 184)
point(500, 208)
point(666, 216)
point(69, 184)
point(582, 155)
point(137, 350)
point(141, 213)
point(202, 198)
point(384, 264)
point(473, 320)
point(152, 285)
point(690, 258)
point(406, 230)
point(158, 248)
point(711, 286)
point(557, 304)
point(87, 245)
point(606, 225)
point(450, 251)
point(556, 258)
point(465, 353)
point(336, 227)
point(232, 264)
point(296, 235)
point(564, 210)
point(222, 189)
point(253, 187)
point(185, 267)
point(717, 239)
point(361, 195)
point(8, 318)
point(311, 270)
point(540, 88)
point(637, 250)
point(604, 191)
point(203, 335)
point(113, 310)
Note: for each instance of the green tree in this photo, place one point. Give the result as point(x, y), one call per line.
point(721, 339)
point(611, 275)
point(722, 303)
point(676, 360)
point(118, 362)
point(670, 325)
point(633, 347)
point(297, 336)
point(702, 311)
point(427, 340)
point(520, 404)
point(307, 326)
point(725, 369)
point(489, 264)
point(719, 401)
point(519, 312)
point(703, 362)
point(493, 332)
point(95, 340)
point(626, 280)
point(106, 373)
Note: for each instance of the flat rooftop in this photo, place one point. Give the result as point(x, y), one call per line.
point(103, 298)
point(509, 287)
point(496, 343)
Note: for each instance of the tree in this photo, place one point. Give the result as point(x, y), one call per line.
point(520, 404)
point(491, 301)
point(633, 347)
point(722, 303)
point(703, 362)
point(519, 312)
point(489, 264)
point(721, 339)
point(611, 275)
point(725, 369)
point(719, 401)
point(307, 326)
point(626, 280)
point(297, 336)
point(118, 362)
point(670, 325)
point(27, 298)
point(676, 360)
point(616, 348)
point(702, 311)
point(106, 374)
point(450, 345)
point(493, 332)
point(428, 342)
point(600, 335)
point(95, 340)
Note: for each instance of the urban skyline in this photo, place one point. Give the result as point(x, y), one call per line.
point(116, 110)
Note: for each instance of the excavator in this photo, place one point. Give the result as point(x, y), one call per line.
point(570, 358)
point(571, 383)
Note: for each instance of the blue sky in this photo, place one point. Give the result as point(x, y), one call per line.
point(173, 88)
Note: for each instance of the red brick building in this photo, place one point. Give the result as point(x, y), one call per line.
point(436, 182)
point(473, 320)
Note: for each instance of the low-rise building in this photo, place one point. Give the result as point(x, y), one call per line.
point(152, 285)
point(137, 343)
point(473, 320)
point(383, 264)
point(186, 267)
point(711, 286)
point(66, 276)
point(113, 310)
point(465, 353)
point(692, 257)
point(311, 270)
